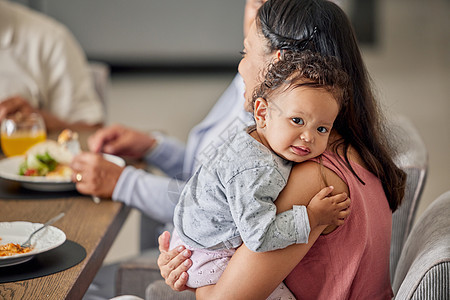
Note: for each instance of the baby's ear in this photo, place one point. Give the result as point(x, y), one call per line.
point(260, 112)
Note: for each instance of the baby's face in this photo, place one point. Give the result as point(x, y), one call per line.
point(299, 122)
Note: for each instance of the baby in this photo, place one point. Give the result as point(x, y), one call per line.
point(230, 200)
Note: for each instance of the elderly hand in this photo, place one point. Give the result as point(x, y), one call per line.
point(13, 105)
point(94, 175)
point(173, 264)
point(122, 141)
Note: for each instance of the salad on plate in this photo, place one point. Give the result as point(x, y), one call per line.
point(50, 158)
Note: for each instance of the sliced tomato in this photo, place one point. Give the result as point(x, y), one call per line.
point(31, 172)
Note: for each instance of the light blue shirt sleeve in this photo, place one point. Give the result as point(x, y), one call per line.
point(168, 156)
point(154, 195)
point(251, 195)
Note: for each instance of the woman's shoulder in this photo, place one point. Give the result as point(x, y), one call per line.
point(352, 155)
point(313, 176)
point(305, 181)
point(300, 187)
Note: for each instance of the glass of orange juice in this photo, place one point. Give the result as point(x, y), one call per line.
point(19, 133)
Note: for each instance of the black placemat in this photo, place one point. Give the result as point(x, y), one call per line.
point(56, 260)
point(13, 190)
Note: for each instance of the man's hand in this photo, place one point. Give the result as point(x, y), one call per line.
point(14, 105)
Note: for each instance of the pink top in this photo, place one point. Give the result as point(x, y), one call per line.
point(352, 262)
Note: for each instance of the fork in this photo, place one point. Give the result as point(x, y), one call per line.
point(27, 243)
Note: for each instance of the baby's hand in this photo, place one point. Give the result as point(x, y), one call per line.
point(328, 210)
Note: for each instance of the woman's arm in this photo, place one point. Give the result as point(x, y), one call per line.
point(238, 282)
point(251, 275)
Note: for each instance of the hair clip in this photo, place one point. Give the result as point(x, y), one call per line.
point(311, 37)
point(299, 45)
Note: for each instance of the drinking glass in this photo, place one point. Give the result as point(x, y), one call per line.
point(20, 132)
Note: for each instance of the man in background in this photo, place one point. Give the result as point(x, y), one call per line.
point(43, 69)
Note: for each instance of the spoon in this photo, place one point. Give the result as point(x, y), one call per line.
point(27, 243)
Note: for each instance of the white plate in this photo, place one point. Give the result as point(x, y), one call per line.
point(18, 232)
point(9, 168)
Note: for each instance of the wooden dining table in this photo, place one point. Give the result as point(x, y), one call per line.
point(93, 226)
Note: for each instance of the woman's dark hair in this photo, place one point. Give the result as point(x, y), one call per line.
point(321, 26)
point(304, 68)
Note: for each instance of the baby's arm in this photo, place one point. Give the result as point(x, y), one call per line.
point(251, 201)
point(328, 210)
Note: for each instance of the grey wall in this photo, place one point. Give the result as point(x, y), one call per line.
point(153, 31)
point(171, 32)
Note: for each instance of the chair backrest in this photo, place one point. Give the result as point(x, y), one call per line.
point(161, 291)
point(149, 232)
point(100, 74)
point(412, 158)
point(423, 270)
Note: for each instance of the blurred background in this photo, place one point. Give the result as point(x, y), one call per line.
point(170, 60)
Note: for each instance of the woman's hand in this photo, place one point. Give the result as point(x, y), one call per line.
point(119, 140)
point(94, 175)
point(173, 264)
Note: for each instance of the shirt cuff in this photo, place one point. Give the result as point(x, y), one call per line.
point(121, 193)
point(168, 155)
point(301, 224)
point(159, 139)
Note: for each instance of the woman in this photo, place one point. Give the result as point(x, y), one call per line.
point(351, 262)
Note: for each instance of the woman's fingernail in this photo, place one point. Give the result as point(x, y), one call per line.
point(187, 263)
point(186, 253)
point(180, 248)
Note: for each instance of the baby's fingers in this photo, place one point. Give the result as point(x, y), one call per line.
point(344, 213)
point(342, 205)
point(339, 222)
point(323, 193)
point(340, 198)
point(341, 216)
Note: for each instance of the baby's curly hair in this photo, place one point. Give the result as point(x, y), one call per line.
point(305, 68)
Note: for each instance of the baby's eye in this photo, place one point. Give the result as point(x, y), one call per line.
point(298, 121)
point(322, 129)
point(243, 53)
